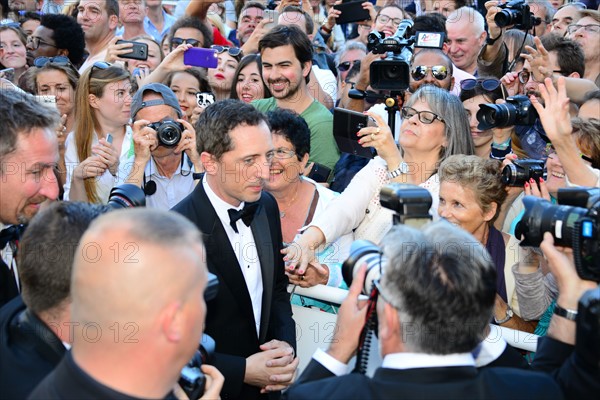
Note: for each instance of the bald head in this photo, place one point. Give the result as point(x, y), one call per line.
point(132, 263)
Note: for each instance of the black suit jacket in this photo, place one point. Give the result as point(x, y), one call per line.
point(29, 350)
point(425, 383)
point(230, 319)
point(8, 286)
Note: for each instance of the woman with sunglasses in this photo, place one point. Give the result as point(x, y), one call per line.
point(55, 76)
point(301, 199)
point(498, 141)
point(434, 127)
point(13, 41)
point(220, 79)
point(96, 162)
point(248, 82)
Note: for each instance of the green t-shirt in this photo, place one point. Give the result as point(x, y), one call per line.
point(323, 149)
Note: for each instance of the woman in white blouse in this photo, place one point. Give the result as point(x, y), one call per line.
point(434, 126)
point(95, 161)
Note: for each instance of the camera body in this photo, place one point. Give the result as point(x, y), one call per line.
point(393, 72)
point(521, 171)
point(573, 223)
point(517, 13)
point(411, 205)
point(516, 111)
point(168, 131)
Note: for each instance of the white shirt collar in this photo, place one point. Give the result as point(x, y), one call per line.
point(184, 167)
point(220, 205)
point(421, 360)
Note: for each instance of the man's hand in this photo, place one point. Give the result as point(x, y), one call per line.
point(214, 382)
point(492, 8)
point(315, 274)
point(273, 368)
point(511, 83)
point(538, 60)
point(144, 141)
point(251, 46)
point(115, 51)
point(350, 321)
point(554, 114)
point(188, 142)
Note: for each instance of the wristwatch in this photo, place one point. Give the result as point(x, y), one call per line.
point(507, 317)
point(402, 169)
point(571, 315)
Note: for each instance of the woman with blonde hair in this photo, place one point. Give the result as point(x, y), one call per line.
point(100, 154)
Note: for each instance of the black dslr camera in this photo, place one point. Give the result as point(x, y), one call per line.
point(191, 379)
point(393, 72)
point(573, 223)
point(168, 131)
point(516, 111)
point(521, 171)
point(516, 13)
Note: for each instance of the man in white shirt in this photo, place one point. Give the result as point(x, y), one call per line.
point(157, 22)
point(99, 21)
point(435, 299)
point(132, 14)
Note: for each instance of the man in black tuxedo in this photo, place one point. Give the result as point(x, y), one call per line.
point(251, 318)
point(35, 330)
point(28, 156)
point(435, 299)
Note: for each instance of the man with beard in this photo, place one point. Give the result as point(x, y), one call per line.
point(286, 54)
point(131, 15)
point(29, 154)
point(98, 21)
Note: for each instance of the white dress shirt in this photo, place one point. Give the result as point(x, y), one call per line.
point(245, 250)
point(8, 256)
point(169, 191)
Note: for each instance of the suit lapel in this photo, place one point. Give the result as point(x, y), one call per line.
point(264, 248)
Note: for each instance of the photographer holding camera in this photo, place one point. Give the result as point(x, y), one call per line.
point(436, 295)
point(164, 145)
point(138, 284)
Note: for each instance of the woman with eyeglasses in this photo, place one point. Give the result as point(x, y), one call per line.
point(99, 155)
point(434, 127)
point(220, 79)
point(471, 195)
point(13, 41)
point(494, 142)
point(248, 82)
point(300, 200)
point(388, 19)
point(56, 76)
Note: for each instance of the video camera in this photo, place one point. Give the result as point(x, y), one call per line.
point(191, 379)
point(393, 72)
point(516, 111)
point(516, 13)
point(573, 223)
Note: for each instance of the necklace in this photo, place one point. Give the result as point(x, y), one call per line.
point(282, 213)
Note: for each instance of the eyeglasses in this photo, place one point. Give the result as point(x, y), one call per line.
point(525, 75)
point(178, 41)
point(346, 65)
point(486, 84)
point(58, 60)
point(593, 28)
point(283, 153)
point(35, 42)
point(439, 72)
point(426, 117)
point(384, 19)
point(232, 51)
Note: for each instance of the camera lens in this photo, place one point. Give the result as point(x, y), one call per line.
point(125, 196)
point(496, 115)
point(507, 17)
point(169, 133)
point(363, 252)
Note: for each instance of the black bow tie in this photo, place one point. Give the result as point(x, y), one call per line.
point(246, 214)
point(10, 234)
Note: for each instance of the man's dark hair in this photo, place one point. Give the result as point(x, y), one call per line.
point(29, 15)
point(67, 35)
point(292, 127)
point(442, 282)
point(309, 24)
point(194, 23)
point(251, 4)
point(283, 35)
point(440, 53)
point(591, 95)
point(432, 22)
point(20, 113)
point(219, 119)
point(47, 250)
point(569, 54)
point(112, 7)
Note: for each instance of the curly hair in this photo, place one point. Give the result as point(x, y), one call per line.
point(67, 35)
point(194, 23)
point(480, 175)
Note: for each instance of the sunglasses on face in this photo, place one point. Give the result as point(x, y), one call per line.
point(346, 65)
point(58, 60)
point(426, 117)
point(232, 51)
point(178, 41)
point(439, 72)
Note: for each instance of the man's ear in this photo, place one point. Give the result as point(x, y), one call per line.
point(63, 52)
point(113, 22)
point(306, 68)
point(574, 75)
point(209, 162)
point(172, 322)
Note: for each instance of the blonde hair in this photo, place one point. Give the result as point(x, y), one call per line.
point(93, 81)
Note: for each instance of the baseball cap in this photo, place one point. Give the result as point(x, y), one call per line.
point(168, 98)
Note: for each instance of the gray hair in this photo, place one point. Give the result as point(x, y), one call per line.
point(473, 18)
point(547, 5)
point(348, 47)
point(442, 282)
point(449, 107)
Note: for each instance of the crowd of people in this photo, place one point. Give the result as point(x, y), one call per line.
point(230, 161)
